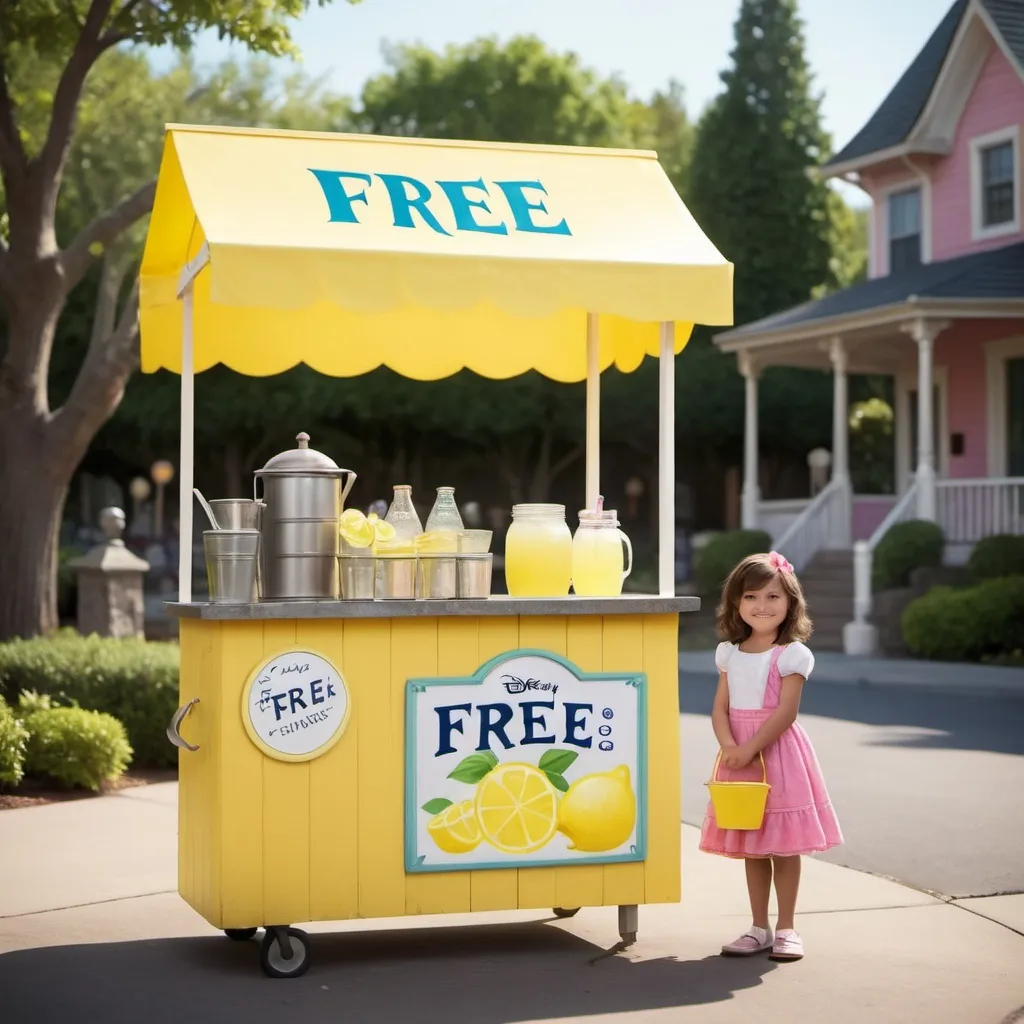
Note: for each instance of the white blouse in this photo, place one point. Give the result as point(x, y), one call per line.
point(747, 674)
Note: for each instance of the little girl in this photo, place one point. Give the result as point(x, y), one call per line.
point(762, 666)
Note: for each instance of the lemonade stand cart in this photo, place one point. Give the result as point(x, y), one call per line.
point(364, 759)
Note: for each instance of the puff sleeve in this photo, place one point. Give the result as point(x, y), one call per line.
point(722, 655)
point(796, 659)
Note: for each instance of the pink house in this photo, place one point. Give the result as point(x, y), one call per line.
point(942, 312)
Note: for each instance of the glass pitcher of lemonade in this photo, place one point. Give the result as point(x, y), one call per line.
point(597, 555)
point(538, 552)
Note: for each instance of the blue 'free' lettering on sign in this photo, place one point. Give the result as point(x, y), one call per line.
point(493, 720)
point(408, 196)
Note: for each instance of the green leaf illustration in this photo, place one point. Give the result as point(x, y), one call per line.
point(437, 805)
point(557, 760)
point(473, 768)
point(558, 781)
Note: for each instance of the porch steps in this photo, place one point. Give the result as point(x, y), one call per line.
point(828, 586)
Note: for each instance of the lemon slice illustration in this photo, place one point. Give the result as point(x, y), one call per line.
point(355, 528)
point(517, 808)
point(455, 829)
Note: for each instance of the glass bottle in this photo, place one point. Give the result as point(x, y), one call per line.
point(402, 514)
point(538, 552)
point(445, 516)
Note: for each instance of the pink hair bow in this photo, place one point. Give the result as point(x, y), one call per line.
point(779, 562)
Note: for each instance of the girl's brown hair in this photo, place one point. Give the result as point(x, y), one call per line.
point(753, 573)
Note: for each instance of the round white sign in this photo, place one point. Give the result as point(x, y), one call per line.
point(296, 706)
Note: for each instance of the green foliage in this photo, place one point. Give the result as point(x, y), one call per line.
point(1001, 554)
point(13, 740)
point(971, 624)
point(75, 747)
point(133, 680)
point(871, 446)
point(722, 553)
point(907, 546)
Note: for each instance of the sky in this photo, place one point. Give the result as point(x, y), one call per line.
point(856, 48)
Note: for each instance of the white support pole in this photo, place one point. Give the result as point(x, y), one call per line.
point(841, 535)
point(593, 410)
point(924, 333)
point(186, 453)
point(667, 460)
point(751, 496)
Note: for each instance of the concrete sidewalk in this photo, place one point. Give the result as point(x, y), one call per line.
point(832, 667)
point(91, 929)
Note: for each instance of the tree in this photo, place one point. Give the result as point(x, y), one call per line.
point(47, 51)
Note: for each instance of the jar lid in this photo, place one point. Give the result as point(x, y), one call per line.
point(301, 460)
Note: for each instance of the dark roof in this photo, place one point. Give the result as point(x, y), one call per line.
point(892, 122)
point(992, 274)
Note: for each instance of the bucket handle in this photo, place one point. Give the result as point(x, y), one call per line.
point(718, 761)
point(172, 729)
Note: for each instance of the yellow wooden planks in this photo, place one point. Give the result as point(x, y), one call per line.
point(537, 885)
point(661, 663)
point(285, 816)
point(497, 889)
point(623, 651)
point(333, 795)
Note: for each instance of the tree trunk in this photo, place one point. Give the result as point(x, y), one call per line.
point(31, 509)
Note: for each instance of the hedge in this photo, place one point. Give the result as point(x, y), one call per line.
point(134, 680)
point(969, 624)
point(13, 738)
point(903, 548)
point(721, 554)
point(994, 557)
point(75, 747)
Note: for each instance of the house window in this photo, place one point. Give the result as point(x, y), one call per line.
point(997, 184)
point(904, 230)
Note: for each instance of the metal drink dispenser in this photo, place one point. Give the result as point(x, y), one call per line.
point(304, 492)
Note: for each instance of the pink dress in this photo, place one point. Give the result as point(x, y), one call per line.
point(799, 818)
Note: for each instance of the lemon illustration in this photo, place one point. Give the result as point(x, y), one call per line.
point(598, 811)
point(355, 528)
point(455, 829)
point(517, 808)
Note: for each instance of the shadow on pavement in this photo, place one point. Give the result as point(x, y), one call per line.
point(488, 974)
point(988, 722)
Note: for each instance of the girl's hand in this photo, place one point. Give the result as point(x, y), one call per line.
point(737, 757)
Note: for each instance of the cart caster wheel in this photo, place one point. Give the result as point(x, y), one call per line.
point(286, 952)
point(240, 934)
point(565, 911)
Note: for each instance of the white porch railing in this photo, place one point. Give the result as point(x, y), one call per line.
point(968, 510)
point(864, 552)
point(822, 524)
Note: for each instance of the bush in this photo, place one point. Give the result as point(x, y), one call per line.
point(75, 747)
point(904, 548)
point(133, 680)
point(970, 624)
point(13, 738)
point(714, 561)
point(993, 557)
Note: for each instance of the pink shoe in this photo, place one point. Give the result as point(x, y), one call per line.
point(753, 940)
point(788, 946)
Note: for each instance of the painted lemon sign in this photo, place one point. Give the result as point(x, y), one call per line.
point(530, 762)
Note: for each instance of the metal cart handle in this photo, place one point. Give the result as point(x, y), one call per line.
point(172, 730)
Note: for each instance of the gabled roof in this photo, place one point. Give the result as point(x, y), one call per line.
point(900, 112)
point(993, 275)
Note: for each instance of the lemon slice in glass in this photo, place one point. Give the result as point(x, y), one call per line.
point(517, 808)
point(356, 530)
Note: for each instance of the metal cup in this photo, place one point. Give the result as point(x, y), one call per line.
point(475, 542)
point(474, 575)
point(358, 574)
point(231, 557)
point(436, 577)
point(242, 514)
point(397, 580)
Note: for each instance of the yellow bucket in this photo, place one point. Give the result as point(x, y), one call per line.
point(739, 805)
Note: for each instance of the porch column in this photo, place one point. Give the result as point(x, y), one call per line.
point(751, 496)
point(840, 526)
point(924, 333)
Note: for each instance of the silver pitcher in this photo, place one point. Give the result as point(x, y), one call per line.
point(304, 492)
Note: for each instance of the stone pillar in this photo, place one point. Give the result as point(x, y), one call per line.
point(751, 496)
point(110, 584)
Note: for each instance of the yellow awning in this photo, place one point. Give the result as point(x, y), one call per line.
point(348, 252)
